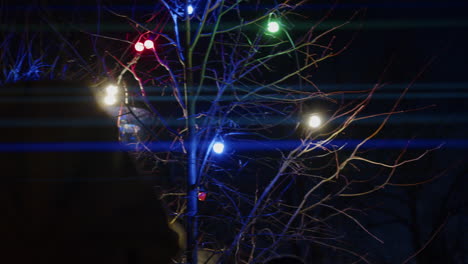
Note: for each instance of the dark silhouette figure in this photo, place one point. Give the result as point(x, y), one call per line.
point(65, 195)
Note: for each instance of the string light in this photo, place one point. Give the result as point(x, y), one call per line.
point(314, 121)
point(202, 196)
point(273, 27)
point(218, 147)
point(110, 100)
point(111, 95)
point(112, 89)
point(139, 46)
point(149, 44)
point(190, 9)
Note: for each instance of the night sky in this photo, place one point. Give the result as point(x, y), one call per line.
point(424, 41)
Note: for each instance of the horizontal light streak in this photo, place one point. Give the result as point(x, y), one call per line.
point(234, 145)
point(260, 97)
point(47, 99)
point(252, 120)
point(324, 6)
point(90, 179)
point(69, 122)
point(326, 25)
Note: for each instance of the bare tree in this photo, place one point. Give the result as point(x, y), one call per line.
point(228, 93)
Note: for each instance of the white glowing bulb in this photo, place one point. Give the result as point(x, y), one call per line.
point(110, 100)
point(273, 26)
point(149, 44)
point(218, 147)
point(314, 121)
point(139, 46)
point(190, 9)
point(112, 90)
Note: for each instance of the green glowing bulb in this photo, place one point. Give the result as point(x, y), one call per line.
point(273, 27)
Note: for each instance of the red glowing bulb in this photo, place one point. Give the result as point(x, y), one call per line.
point(149, 44)
point(201, 196)
point(139, 46)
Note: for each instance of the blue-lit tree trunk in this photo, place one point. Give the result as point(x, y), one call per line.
point(192, 194)
point(192, 173)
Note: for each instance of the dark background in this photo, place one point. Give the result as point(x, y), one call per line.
point(408, 38)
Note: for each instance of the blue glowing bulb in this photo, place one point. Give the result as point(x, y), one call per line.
point(190, 9)
point(218, 147)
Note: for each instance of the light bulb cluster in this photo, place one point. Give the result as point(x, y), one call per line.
point(141, 46)
point(111, 94)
